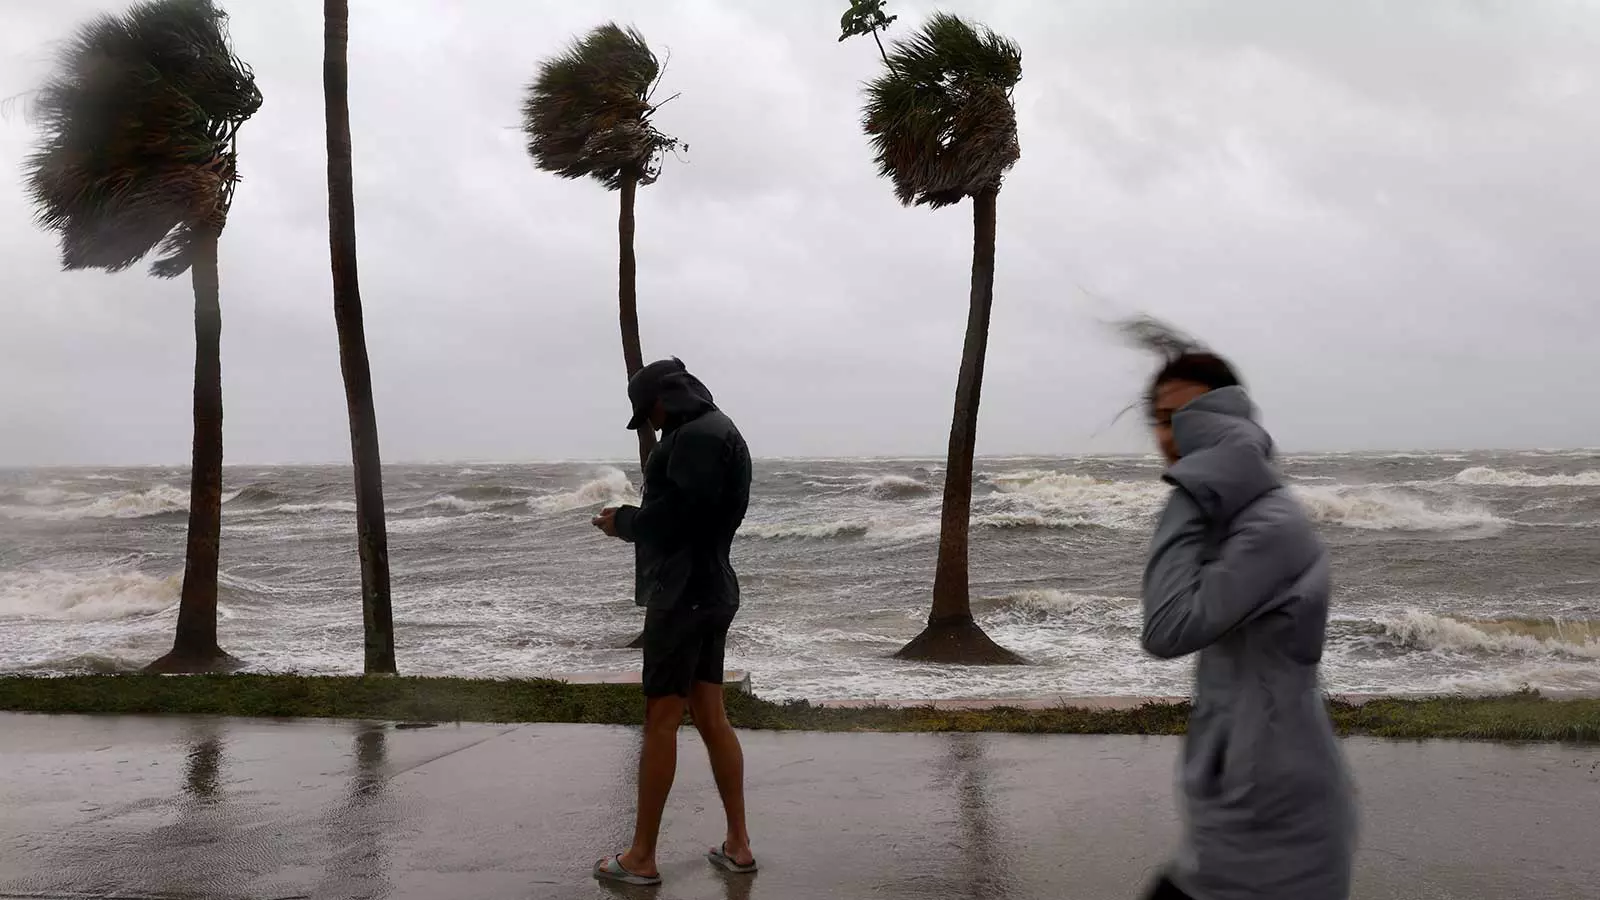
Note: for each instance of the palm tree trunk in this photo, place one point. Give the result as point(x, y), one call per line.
point(195, 647)
point(628, 312)
point(628, 301)
point(372, 538)
point(952, 635)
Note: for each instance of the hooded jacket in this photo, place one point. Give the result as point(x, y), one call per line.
point(1237, 574)
point(696, 490)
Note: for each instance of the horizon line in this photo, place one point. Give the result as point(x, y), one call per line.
point(892, 457)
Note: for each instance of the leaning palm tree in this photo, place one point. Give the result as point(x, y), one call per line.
point(372, 537)
point(138, 155)
point(587, 115)
point(943, 128)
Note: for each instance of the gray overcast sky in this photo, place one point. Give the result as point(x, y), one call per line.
point(1384, 212)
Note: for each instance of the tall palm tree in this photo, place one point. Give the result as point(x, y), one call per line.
point(943, 128)
point(372, 539)
point(138, 155)
point(587, 115)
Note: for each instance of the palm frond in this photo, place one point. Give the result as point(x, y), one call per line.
point(137, 128)
point(940, 116)
point(587, 113)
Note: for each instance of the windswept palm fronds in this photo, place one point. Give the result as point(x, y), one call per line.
point(138, 129)
point(587, 113)
point(940, 116)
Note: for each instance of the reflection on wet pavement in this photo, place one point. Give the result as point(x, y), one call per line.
point(207, 809)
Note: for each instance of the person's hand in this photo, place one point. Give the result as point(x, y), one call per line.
point(607, 521)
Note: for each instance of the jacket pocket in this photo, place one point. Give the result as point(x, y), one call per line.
point(1219, 769)
point(669, 579)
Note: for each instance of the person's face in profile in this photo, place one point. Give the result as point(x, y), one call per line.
point(1169, 397)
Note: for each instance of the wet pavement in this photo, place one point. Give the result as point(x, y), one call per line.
point(144, 808)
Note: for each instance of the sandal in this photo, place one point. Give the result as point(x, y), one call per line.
point(718, 856)
point(610, 869)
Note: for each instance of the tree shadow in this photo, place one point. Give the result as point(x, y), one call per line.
point(356, 867)
point(190, 856)
point(202, 771)
point(984, 867)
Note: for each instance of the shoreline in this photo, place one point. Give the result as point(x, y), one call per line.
point(1527, 716)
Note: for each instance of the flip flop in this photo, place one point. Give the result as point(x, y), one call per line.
point(610, 869)
point(718, 856)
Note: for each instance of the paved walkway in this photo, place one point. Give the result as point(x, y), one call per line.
point(123, 807)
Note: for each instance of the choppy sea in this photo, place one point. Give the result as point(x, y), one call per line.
point(1470, 571)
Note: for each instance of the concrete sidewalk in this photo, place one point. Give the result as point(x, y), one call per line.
point(122, 807)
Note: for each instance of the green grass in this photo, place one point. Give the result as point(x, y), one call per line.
point(1524, 716)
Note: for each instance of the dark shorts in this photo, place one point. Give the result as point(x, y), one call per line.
point(682, 646)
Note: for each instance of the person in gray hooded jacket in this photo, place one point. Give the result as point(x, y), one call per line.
point(1237, 574)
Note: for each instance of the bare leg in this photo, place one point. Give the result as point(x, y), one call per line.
point(658, 764)
point(727, 763)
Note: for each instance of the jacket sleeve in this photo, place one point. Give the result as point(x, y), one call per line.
point(689, 502)
point(1190, 602)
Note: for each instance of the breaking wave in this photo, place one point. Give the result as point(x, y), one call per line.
point(1491, 477)
point(332, 506)
point(1059, 500)
point(871, 529)
point(256, 495)
point(471, 500)
point(610, 487)
point(1426, 631)
point(1049, 604)
point(777, 531)
point(160, 500)
point(85, 597)
point(897, 487)
point(1373, 508)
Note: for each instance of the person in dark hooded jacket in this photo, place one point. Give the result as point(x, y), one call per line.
point(1237, 574)
point(696, 489)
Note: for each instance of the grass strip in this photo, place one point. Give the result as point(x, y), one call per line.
point(1523, 716)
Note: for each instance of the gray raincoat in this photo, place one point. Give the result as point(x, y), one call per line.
point(1237, 574)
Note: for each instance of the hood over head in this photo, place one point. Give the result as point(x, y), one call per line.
point(1225, 455)
point(669, 381)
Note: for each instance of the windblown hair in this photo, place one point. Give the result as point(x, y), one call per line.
point(1182, 357)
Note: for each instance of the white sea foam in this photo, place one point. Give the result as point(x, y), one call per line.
point(50, 496)
point(85, 597)
point(422, 525)
point(333, 506)
point(611, 486)
point(457, 504)
point(778, 531)
point(1056, 499)
point(162, 499)
point(1377, 508)
point(872, 529)
point(896, 487)
point(1426, 631)
point(1492, 477)
point(1051, 603)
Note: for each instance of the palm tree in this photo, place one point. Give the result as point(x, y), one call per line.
point(372, 539)
point(943, 128)
point(587, 115)
point(138, 155)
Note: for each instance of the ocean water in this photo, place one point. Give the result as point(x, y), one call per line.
point(1469, 571)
